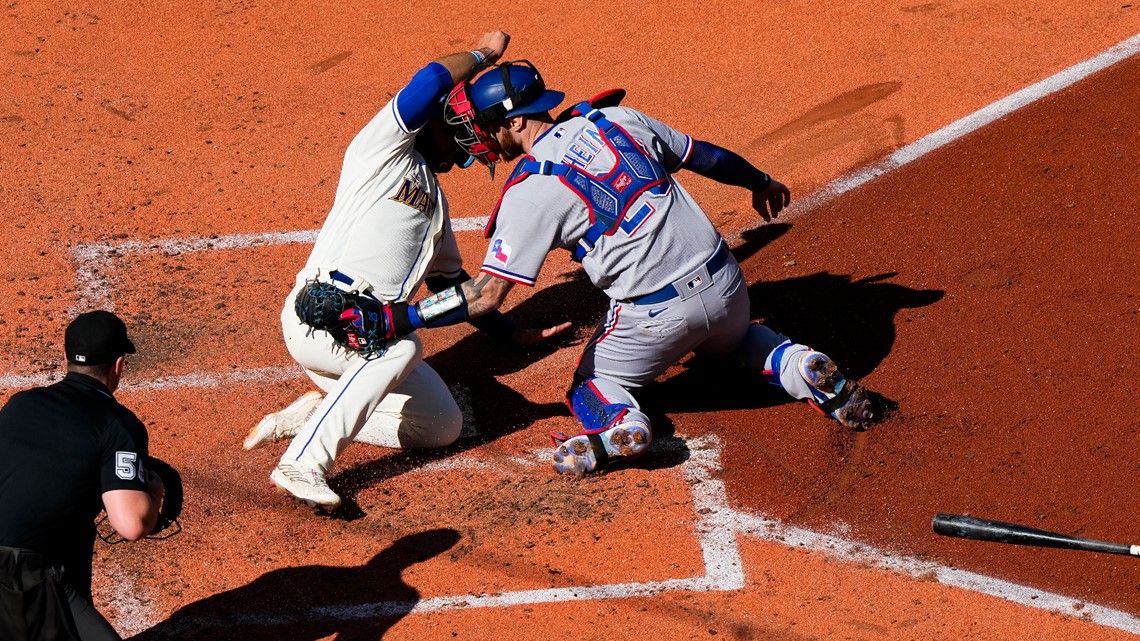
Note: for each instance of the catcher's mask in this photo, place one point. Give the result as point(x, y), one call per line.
point(509, 89)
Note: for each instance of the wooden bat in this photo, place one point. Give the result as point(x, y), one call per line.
point(968, 527)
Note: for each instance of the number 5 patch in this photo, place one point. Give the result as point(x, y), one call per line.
point(126, 465)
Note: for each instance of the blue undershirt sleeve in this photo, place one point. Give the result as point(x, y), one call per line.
point(725, 167)
point(417, 102)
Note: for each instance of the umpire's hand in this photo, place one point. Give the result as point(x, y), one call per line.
point(775, 197)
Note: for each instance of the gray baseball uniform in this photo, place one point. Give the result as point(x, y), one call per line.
point(674, 286)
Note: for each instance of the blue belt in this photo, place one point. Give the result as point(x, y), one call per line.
point(669, 292)
point(348, 281)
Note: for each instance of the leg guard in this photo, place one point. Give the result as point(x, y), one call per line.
point(813, 376)
point(613, 427)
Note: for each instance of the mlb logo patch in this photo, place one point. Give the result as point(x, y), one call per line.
point(695, 283)
point(622, 181)
point(501, 251)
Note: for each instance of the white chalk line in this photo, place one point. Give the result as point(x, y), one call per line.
point(93, 261)
point(182, 381)
point(966, 125)
point(722, 558)
point(716, 525)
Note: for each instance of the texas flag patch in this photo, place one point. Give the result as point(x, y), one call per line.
point(501, 251)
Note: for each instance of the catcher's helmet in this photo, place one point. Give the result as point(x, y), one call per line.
point(509, 89)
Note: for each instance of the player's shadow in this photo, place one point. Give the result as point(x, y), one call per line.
point(853, 321)
point(493, 409)
point(311, 602)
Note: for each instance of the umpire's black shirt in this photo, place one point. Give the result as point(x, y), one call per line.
point(61, 448)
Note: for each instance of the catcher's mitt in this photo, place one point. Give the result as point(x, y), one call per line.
point(355, 321)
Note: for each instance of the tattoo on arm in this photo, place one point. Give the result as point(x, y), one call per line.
point(485, 293)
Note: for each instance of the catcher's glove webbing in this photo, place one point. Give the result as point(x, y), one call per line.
point(355, 321)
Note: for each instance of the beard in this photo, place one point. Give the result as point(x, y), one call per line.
point(511, 148)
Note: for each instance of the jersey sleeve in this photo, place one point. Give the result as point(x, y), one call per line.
point(671, 147)
point(523, 236)
point(392, 131)
point(421, 98)
point(123, 452)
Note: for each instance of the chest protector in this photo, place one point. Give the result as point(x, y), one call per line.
point(608, 197)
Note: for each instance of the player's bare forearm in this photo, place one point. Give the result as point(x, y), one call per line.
point(463, 64)
point(485, 293)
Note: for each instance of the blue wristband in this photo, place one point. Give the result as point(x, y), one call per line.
point(479, 58)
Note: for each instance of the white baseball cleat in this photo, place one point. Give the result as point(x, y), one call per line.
point(306, 484)
point(837, 396)
point(585, 452)
point(284, 424)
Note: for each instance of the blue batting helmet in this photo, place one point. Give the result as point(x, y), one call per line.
point(511, 89)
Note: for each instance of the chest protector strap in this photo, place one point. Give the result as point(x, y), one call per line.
point(608, 197)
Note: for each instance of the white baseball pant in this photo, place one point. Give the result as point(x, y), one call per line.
point(393, 400)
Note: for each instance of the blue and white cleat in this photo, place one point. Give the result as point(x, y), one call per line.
point(837, 396)
point(587, 452)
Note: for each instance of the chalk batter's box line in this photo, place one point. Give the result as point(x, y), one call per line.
point(716, 526)
point(92, 260)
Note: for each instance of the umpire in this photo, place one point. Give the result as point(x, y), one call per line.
point(68, 451)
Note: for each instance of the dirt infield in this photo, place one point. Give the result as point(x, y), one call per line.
point(174, 163)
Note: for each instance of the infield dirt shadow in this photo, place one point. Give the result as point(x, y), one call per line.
point(311, 602)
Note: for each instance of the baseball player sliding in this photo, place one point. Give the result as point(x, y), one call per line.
point(387, 232)
point(600, 183)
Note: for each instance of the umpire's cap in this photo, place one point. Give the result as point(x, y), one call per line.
point(96, 338)
point(511, 89)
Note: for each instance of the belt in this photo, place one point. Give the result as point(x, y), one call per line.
point(719, 259)
point(26, 568)
point(349, 282)
point(341, 278)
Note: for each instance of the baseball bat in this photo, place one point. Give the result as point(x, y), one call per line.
point(968, 527)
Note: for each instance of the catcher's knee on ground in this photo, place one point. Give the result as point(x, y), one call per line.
point(612, 427)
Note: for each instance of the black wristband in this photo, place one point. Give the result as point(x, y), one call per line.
point(400, 319)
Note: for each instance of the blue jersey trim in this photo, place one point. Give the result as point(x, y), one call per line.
point(508, 275)
point(416, 103)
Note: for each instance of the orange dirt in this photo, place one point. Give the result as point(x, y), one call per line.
point(986, 288)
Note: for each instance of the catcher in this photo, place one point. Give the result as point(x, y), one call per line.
point(599, 182)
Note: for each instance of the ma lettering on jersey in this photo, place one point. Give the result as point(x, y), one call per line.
point(413, 194)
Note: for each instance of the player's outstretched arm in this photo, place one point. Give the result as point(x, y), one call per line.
point(457, 304)
point(727, 167)
point(464, 64)
point(486, 293)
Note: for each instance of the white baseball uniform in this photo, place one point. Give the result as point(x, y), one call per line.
point(387, 230)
